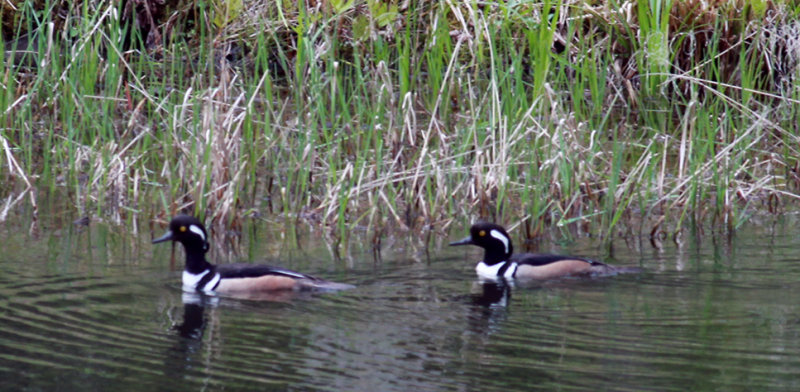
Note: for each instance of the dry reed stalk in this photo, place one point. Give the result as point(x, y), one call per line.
point(206, 160)
point(220, 163)
point(16, 170)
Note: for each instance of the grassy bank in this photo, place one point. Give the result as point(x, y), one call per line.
point(609, 118)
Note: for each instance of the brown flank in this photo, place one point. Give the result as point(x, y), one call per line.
point(554, 270)
point(261, 283)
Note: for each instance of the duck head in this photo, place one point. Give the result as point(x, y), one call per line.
point(187, 230)
point(492, 238)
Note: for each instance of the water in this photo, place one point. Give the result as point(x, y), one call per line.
point(98, 308)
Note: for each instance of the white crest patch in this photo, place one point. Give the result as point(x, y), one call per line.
point(195, 229)
point(500, 236)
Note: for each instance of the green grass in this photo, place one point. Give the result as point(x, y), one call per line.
point(553, 114)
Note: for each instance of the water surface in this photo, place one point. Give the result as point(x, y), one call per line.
point(98, 307)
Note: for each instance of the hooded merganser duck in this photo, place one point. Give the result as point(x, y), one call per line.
point(239, 278)
point(500, 262)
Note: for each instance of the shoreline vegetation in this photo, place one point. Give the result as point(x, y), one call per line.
point(609, 118)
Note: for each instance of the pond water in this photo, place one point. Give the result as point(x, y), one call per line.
point(99, 308)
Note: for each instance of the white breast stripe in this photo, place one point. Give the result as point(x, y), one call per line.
point(209, 287)
point(198, 231)
point(511, 270)
point(501, 237)
point(492, 271)
point(488, 271)
point(191, 280)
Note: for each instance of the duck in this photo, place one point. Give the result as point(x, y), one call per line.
point(199, 275)
point(501, 263)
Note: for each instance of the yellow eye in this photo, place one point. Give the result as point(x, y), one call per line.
point(183, 229)
point(482, 233)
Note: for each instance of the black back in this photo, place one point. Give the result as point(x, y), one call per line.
point(538, 259)
point(244, 270)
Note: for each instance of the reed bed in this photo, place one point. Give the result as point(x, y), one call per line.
point(608, 118)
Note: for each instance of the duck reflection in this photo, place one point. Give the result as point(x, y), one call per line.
point(490, 301)
point(194, 320)
point(492, 294)
point(186, 356)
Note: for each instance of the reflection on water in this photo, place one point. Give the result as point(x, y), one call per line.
point(89, 309)
point(194, 321)
point(186, 355)
point(490, 301)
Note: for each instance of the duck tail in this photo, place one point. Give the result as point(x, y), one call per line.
point(599, 268)
point(626, 270)
point(324, 285)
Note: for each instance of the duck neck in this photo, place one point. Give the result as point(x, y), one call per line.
point(492, 258)
point(196, 261)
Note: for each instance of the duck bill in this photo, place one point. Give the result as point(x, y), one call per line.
point(163, 238)
point(464, 241)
